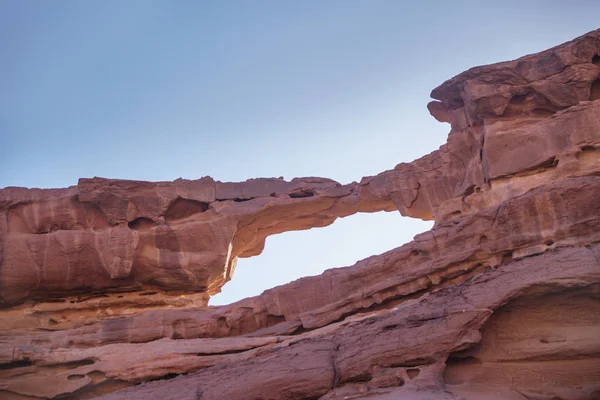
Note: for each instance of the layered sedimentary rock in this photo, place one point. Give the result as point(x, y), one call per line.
point(105, 284)
point(177, 236)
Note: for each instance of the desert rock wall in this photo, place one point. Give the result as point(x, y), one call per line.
point(105, 284)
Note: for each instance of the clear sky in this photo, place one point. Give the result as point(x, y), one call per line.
point(157, 90)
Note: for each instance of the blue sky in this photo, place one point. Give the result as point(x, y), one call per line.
point(157, 90)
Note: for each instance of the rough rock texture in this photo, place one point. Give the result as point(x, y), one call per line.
point(179, 236)
point(105, 284)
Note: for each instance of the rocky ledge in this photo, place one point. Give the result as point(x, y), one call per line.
point(104, 285)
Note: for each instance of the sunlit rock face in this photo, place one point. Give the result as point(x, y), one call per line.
point(105, 284)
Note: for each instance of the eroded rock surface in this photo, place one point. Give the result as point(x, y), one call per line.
point(105, 284)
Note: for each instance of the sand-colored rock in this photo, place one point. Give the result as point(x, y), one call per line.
point(105, 284)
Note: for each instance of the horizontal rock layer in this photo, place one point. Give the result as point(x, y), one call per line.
point(105, 284)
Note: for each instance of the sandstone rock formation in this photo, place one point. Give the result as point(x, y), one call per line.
point(105, 284)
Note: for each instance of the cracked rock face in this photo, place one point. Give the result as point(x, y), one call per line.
point(105, 284)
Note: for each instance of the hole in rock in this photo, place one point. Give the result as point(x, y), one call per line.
point(80, 363)
point(522, 104)
point(176, 336)
point(390, 327)
point(596, 59)
point(141, 223)
point(413, 372)
point(166, 377)
point(75, 377)
point(518, 99)
point(458, 368)
point(292, 255)
point(507, 257)
point(588, 154)
point(184, 208)
point(542, 112)
point(470, 190)
point(302, 193)
point(415, 362)
point(55, 300)
point(15, 364)
point(274, 319)
point(549, 163)
point(595, 90)
point(364, 377)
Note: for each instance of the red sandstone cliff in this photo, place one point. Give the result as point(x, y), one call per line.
point(105, 284)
